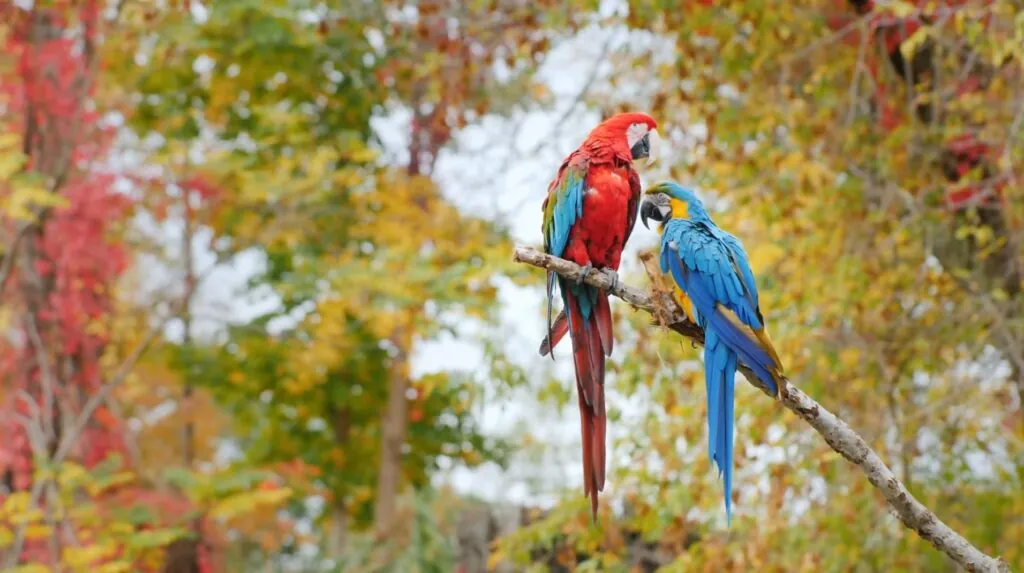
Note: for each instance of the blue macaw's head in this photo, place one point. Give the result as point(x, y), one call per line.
point(669, 200)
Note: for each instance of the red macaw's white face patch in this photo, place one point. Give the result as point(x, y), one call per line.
point(637, 132)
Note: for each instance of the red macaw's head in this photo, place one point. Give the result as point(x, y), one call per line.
point(627, 135)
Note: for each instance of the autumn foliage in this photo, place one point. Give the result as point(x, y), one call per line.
point(231, 237)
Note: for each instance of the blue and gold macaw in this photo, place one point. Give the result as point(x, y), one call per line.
point(716, 289)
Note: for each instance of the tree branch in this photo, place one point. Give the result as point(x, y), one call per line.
point(7, 263)
point(837, 434)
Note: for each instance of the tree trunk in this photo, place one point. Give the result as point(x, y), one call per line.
point(337, 534)
point(393, 428)
point(188, 447)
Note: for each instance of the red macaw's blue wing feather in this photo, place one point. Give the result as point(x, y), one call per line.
point(562, 208)
point(712, 269)
point(564, 203)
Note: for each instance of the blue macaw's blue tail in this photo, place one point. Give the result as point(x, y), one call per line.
point(720, 383)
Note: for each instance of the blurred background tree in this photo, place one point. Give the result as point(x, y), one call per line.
point(260, 312)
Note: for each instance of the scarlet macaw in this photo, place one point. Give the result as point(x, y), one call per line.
point(716, 289)
point(589, 214)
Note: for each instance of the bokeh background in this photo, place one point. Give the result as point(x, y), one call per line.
point(259, 311)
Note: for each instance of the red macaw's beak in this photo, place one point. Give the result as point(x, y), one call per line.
point(654, 146)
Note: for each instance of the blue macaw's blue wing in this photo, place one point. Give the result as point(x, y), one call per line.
point(711, 275)
point(742, 265)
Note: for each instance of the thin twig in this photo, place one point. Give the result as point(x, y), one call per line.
point(49, 381)
point(70, 436)
point(7, 265)
point(858, 68)
point(837, 434)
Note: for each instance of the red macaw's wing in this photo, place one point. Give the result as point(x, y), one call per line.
point(562, 208)
point(611, 179)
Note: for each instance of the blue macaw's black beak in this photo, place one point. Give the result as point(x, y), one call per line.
point(641, 148)
point(648, 210)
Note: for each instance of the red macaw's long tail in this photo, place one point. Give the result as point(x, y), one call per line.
point(558, 330)
point(590, 328)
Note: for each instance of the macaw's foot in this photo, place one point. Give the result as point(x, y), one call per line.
point(586, 272)
point(612, 276)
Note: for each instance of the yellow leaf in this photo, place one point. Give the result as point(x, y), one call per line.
point(27, 516)
point(362, 494)
point(764, 255)
point(20, 203)
point(119, 566)
point(249, 501)
point(121, 528)
point(117, 479)
point(37, 531)
point(849, 357)
point(901, 9)
point(911, 44)
point(71, 474)
point(80, 557)
point(30, 568)
point(16, 503)
point(495, 559)
point(10, 140)
point(10, 163)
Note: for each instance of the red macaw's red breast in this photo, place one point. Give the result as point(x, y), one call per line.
point(609, 212)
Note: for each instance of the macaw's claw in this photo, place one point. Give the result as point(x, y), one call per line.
point(612, 276)
point(586, 272)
